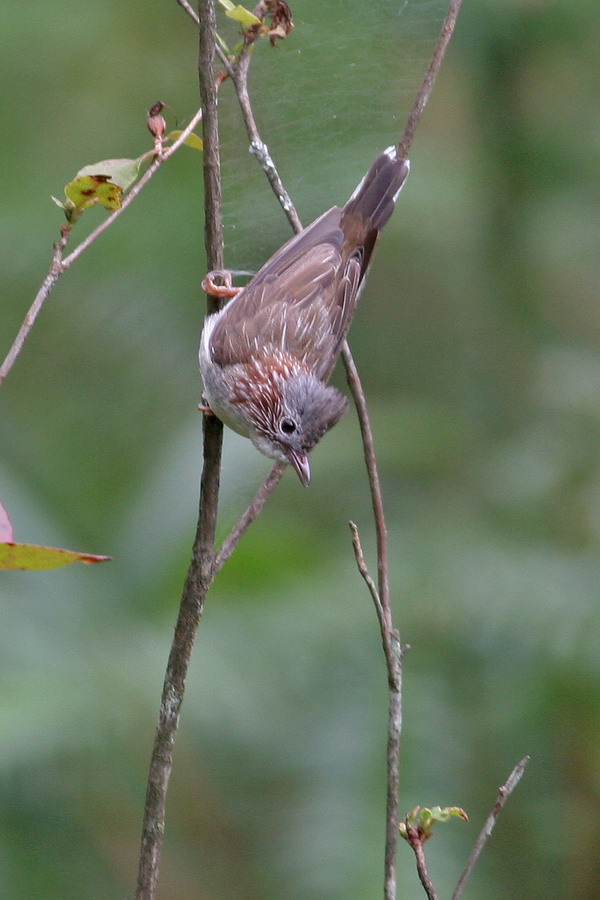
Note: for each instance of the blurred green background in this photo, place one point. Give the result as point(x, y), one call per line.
point(478, 340)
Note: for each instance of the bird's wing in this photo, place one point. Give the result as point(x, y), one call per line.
point(300, 302)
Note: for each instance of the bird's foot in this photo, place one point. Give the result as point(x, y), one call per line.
point(222, 291)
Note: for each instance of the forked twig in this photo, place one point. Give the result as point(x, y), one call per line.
point(390, 637)
point(503, 794)
point(258, 146)
point(60, 264)
point(252, 512)
point(446, 32)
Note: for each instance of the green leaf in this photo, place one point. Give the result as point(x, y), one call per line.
point(34, 557)
point(242, 15)
point(192, 140)
point(424, 818)
point(89, 190)
point(223, 45)
point(102, 183)
point(122, 172)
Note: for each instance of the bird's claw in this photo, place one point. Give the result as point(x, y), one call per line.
point(222, 291)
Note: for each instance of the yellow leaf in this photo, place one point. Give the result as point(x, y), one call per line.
point(240, 14)
point(33, 557)
point(88, 190)
point(192, 140)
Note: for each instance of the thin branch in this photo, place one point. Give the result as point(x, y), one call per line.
point(200, 572)
point(437, 58)
point(220, 52)
point(392, 649)
point(247, 518)
point(503, 794)
point(390, 637)
point(416, 842)
point(257, 145)
point(47, 285)
point(189, 10)
point(374, 483)
point(60, 264)
point(362, 568)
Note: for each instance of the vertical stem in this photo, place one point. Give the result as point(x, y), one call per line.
point(200, 572)
point(390, 637)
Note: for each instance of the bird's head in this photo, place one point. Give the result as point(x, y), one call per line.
point(300, 410)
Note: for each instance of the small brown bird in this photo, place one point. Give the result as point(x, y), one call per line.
point(267, 356)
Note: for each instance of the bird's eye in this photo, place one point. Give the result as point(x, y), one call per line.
point(288, 426)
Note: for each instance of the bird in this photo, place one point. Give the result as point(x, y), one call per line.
point(266, 357)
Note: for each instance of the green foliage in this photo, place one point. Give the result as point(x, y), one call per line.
point(192, 140)
point(423, 820)
point(239, 14)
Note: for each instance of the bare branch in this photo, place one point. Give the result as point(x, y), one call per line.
point(362, 568)
point(220, 53)
point(252, 512)
point(200, 573)
point(48, 283)
point(258, 146)
point(390, 637)
point(416, 841)
point(503, 794)
point(420, 103)
point(374, 483)
point(189, 10)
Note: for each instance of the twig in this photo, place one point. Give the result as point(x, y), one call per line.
point(503, 794)
point(437, 58)
point(362, 568)
point(189, 10)
point(416, 842)
point(60, 264)
point(200, 573)
point(252, 512)
point(390, 637)
point(374, 483)
point(47, 285)
point(257, 145)
point(194, 16)
point(392, 648)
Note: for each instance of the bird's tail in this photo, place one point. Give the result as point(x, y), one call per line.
point(375, 197)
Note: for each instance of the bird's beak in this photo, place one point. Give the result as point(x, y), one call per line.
point(301, 465)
